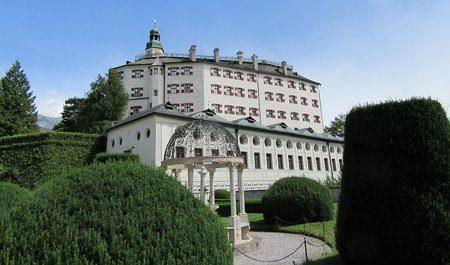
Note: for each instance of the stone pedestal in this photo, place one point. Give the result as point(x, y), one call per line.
point(234, 229)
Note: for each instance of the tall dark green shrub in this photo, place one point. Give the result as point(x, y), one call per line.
point(114, 213)
point(297, 199)
point(394, 206)
point(222, 194)
point(37, 157)
point(114, 157)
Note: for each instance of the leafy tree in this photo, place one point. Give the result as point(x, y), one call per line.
point(337, 126)
point(70, 115)
point(104, 103)
point(17, 109)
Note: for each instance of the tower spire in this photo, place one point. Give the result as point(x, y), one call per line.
point(154, 46)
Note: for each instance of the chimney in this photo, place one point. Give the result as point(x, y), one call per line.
point(240, 56)
point(285, 69)
point(255, 61)
point(216, 55)
point(192, 53)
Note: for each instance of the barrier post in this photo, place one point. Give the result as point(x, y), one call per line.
point(306, 249)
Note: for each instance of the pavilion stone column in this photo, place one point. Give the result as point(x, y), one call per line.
point(242, 213)
point(202, 173)
point(176, 172)
point(234, 221)
point(212, 195)
point(190, 177)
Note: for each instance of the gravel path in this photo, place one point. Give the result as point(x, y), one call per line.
point(277, 245)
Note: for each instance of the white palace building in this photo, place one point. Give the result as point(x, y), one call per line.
point(274, 113)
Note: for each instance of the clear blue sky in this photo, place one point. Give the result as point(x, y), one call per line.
point(361, 51)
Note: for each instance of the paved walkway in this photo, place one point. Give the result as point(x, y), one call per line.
point(277, 245)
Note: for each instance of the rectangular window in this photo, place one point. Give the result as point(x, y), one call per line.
point(228, 90)
point(313, 89)
point(341, 164)
point(120, 75)
point(172, 89)
point(294, 116)
point(270, 113)
point(137, 92)
point(179, 152)
point(252, 93)
point(229, 109)
point(135, 109)
point(215, 72)
point(269, 96)
point(333, 164)
point(240, 110)
point(278, 82)
point(318, 164)
point(187, 88)
point(216, 89)
point(268, 80)
point(238, 76)
point(217, 108)
point(281, 114)
point(257, 159)
point(303, 101)
point(316, 119)
point(173, 71)
point(325, 162)
point(302, 86)
point(239, 92)
point(280, 97)
point(280, 161)
point(315, 103)
point(309, 161)
point(251, 77)
point(293, 99)
point(187, 107)
point(244, 156)
point(291, 84)
point(137, 73)
point(300, 162)
point(214, 152)
point(305, 117)
point(186, 70)
point(269, 161)
point(254, 112)
point(227, 74)
point(155, 92)
point(198, 152)
point(291, 162)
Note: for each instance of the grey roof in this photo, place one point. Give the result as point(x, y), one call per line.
point(282, 127)
point(332, 136)
point(247, 122)
point(165, 108)
point(208, 115)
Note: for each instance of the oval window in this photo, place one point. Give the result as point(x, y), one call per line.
point(268, 142)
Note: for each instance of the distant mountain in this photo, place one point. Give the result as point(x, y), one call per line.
point(47, 122)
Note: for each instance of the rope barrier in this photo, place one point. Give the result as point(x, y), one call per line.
point(269, 261)
point(317, 246)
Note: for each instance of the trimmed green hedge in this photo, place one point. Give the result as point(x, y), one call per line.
point(297, 199)
point(251, 206)
point(221, 194)
point(115, 157)
point(114, 213)
point(37, 157)
point(394, 206)
point(11, 195)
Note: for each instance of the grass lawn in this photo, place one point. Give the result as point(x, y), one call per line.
point(310, 229)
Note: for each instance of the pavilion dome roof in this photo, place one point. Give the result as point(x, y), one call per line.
point(201, 138)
